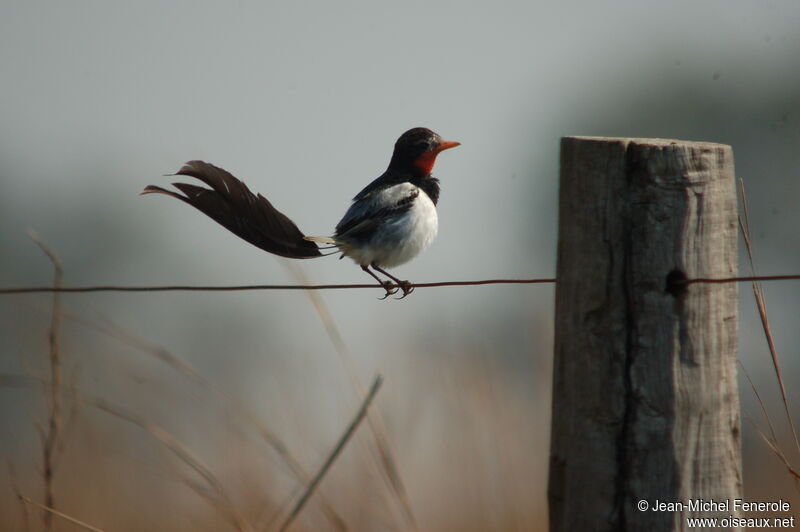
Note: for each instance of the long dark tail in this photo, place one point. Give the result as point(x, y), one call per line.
point(231, 204)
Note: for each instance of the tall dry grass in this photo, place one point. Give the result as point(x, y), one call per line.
point(145, 441)
point(152, 444)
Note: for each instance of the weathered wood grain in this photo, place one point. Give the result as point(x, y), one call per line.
point(645, 400)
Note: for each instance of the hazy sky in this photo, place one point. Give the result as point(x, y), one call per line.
point(304, 101)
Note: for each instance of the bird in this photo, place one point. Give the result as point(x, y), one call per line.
point(387, 224)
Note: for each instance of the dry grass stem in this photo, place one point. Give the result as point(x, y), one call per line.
point(771, 439)
point(758, 292)
point(773, 445)
point(51, 433)
point(386, 460)
point(348, 433)
point(52, 511)
point(12, 475)
point(162, 354)
point(761, 404)
point(216, 491)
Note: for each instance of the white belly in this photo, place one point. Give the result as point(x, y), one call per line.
point(401, 239)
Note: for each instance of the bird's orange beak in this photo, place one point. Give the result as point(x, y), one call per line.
point(425, 161)
point(446, 145)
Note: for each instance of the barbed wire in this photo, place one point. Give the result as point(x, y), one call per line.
point(255, 287)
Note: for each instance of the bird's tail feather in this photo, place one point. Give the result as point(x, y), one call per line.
point(231, 204)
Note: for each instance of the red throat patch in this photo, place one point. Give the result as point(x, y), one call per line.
point(425, 162)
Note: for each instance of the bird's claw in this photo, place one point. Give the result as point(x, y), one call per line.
point(406, 287)
point(390, 288)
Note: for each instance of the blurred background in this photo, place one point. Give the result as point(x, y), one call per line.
point(304, 101)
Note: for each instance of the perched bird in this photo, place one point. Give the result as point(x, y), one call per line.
point(388, 223)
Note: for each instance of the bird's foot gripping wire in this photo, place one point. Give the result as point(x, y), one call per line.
point(390, 288)
point(406, 287)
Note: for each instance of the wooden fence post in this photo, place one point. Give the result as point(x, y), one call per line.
point(645, 399)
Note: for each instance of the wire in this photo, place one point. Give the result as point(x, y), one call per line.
point(241, 288)
point(741, 279)
point(253, 287)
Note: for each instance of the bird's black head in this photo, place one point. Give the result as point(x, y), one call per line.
point(416, 150)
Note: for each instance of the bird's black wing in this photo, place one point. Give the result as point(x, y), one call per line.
point(375, 208)
point(231, 204)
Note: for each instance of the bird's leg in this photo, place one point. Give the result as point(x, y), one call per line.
point(405, 286)
point(387, 285)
